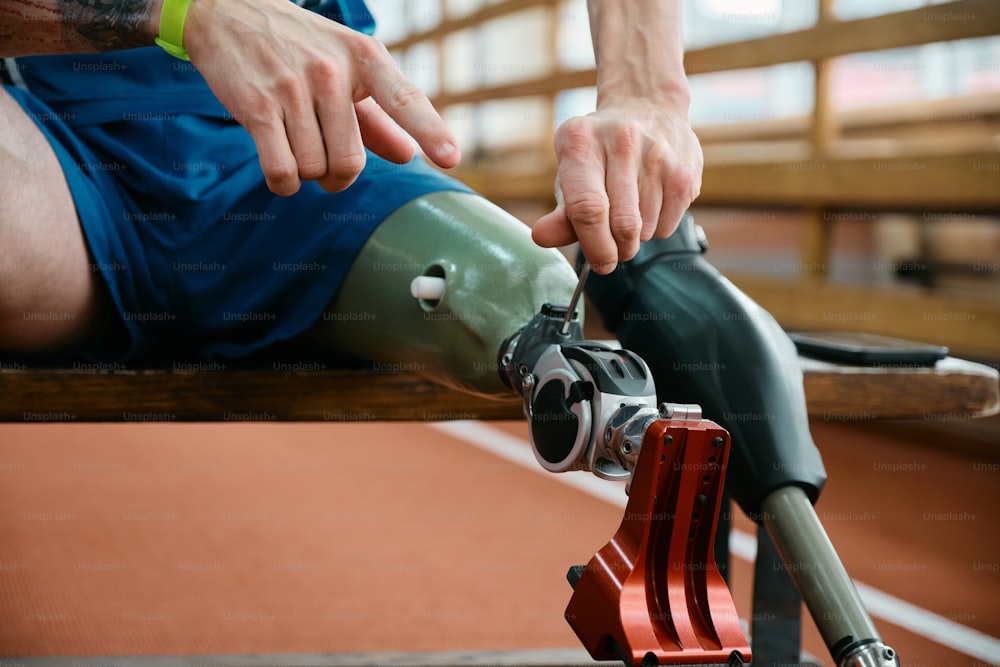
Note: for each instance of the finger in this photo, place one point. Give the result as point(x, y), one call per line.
point(670, 218)
point(304, 136)
point(406, 104)
point(276, 158)
point(345, 152)
point(650, 206)
point(624, 218)
point(582, 176)
point(679, 190)
point(553, 230)
point(381, 135)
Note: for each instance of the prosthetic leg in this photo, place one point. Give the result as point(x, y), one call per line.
point(446, 282)
point(449, 279)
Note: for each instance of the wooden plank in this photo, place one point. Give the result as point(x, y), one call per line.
point(892, 178)
point(53, 395)
point(152, 395)
point(527, 658)
point(542, 86)
point(980, 113)
point(869, 174)
point(953, 389)
point(477, 18)
point(815, 253)
point(967, 326)
point(823, 133)
point(980, 110)
point(962, 19)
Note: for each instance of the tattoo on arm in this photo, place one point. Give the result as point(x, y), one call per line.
point(109, 24)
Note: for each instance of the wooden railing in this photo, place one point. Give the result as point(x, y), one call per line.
point(876, 159)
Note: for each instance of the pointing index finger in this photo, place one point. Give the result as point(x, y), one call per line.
point(406, 104)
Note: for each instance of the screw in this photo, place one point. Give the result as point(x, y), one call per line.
point(701, 499)
point(668, 439)
point(718, 441)
point(888, 653)
point(626, 447)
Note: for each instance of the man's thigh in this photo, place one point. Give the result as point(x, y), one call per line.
point(49, 298)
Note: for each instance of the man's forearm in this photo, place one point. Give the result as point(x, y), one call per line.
point(639, 49)
point(35, 27)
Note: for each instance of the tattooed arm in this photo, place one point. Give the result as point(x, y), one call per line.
point(34, 27)
point(311, 92)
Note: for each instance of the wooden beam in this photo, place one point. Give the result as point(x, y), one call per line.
point(511, 185)
point(954, 389)
point(823, 133)
point(521, 658)
point(962, 19)
point(68, 395)
point(83, 394)
point(899, 181)
point(542, 86)
point(967, 326)
point(824, 129)
point(815, 252)
point(477, 18)
point(874, 175)
point(982, 109)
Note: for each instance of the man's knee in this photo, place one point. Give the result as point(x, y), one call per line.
point(47, 292)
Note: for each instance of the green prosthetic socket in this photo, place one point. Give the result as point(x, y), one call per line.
point(494, 277)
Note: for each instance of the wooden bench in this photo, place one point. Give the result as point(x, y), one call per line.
point(283, 392)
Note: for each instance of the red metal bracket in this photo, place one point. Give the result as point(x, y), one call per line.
point(654, 594)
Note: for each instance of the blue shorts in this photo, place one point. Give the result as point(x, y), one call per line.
point(201, 260)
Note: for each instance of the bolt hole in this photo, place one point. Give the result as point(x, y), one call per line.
point(433, 271)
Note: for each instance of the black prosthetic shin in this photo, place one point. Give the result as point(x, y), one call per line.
point(707, 342)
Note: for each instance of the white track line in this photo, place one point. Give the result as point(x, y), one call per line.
point(897, 611)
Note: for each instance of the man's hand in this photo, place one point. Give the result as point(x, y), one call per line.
point(627, 173)
point(311, 92)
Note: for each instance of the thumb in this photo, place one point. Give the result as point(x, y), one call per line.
point(553, 229)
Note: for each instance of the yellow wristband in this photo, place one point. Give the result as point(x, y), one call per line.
point(171, 37)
